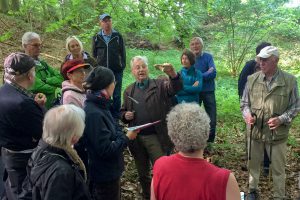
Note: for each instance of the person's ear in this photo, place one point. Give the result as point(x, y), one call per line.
point(69, 75)
point(74, 139)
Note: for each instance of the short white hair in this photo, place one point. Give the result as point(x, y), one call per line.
point(142, 58)
point(69, 39)
point(188, 127)
point(28, 36)
point(62, 123)
point(198, 39)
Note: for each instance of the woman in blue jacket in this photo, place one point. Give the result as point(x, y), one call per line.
point(191, 78)
point(104, 139)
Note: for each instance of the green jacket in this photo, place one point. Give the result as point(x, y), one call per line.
point(48, 81)
point(265, 104)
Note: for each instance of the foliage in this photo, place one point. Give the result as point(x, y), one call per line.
point(231, 29)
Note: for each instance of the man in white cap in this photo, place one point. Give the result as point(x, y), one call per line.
point(269, 103)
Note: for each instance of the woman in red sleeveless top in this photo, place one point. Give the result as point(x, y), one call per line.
point(186, 175)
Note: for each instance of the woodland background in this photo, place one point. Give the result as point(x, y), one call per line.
point(161, 29)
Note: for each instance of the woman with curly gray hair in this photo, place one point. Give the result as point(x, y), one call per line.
point(187, 175)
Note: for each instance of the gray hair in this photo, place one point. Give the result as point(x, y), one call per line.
point(69, 39)
point(198, 39)
point(28, 36)
point(188, 127)
point(62, 123)
point(142, 58)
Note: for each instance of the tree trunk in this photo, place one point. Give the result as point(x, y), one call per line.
point(4, 6)
point(15, 5)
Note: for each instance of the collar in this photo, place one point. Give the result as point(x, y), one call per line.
point(102, 32)
point(273, 77)
point(84, 56)
point(200, 55)
point(143, 85)
point(21, 89)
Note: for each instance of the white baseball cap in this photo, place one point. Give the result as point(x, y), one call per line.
point(268, 51)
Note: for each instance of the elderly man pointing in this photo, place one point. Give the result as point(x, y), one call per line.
point(148, 100)
point(269, 103)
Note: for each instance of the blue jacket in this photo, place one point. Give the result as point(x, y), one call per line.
point(203, 63)
point(105, 141)
point(189, 93)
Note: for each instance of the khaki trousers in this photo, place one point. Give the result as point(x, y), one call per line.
point(277, 166)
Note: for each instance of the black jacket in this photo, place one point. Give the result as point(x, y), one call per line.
point(53, 176)
point(111, 55)
point(250, 68)
point(21, 120)
point(105, 140)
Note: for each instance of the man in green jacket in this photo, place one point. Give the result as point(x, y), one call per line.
point(48, 80)
point(269, 103)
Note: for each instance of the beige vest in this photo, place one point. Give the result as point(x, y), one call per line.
point(265, 104)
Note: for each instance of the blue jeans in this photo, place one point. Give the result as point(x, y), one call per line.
point(209, 102)
point(115, 110)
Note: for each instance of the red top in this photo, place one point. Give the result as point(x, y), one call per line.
point(180, 178)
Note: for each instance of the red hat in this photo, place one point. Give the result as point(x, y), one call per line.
point(71, 65)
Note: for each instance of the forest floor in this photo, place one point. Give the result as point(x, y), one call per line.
point(228, 150)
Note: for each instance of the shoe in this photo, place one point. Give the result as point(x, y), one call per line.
point(253, 195)
point(266, 171)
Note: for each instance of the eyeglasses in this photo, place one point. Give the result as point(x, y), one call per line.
point(263, 59)
point(36, 45)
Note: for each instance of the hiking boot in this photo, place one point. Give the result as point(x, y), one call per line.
point(253, 195)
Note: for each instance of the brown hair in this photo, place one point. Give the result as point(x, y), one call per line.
point(189, 54)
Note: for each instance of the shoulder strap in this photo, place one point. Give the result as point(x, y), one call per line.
point(65, 90)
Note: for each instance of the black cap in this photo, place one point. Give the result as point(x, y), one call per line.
point(18, 63)
point(99, 78)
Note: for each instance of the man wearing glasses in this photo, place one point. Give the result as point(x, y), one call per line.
point(48, 80)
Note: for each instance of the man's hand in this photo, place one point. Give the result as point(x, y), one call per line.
point(196, 84)
point(169, 70)
point(132, 134)
point(249, 119)
point(129, 115)
point(274, 123)
point(40, 99)
point(211, 69)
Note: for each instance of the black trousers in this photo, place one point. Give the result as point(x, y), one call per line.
point(15, 172)
point(107, 191)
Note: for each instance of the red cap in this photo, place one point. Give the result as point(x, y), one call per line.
point(71, 65)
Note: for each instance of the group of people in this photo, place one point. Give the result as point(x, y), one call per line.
point(75, 150)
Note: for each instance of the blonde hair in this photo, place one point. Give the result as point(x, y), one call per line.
point(69, 39)
point(62, 123)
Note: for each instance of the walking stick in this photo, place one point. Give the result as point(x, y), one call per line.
point(271, 147)
point(250, 146)
point(251, 130)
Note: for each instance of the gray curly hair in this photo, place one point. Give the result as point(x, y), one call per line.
point(188, 127)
